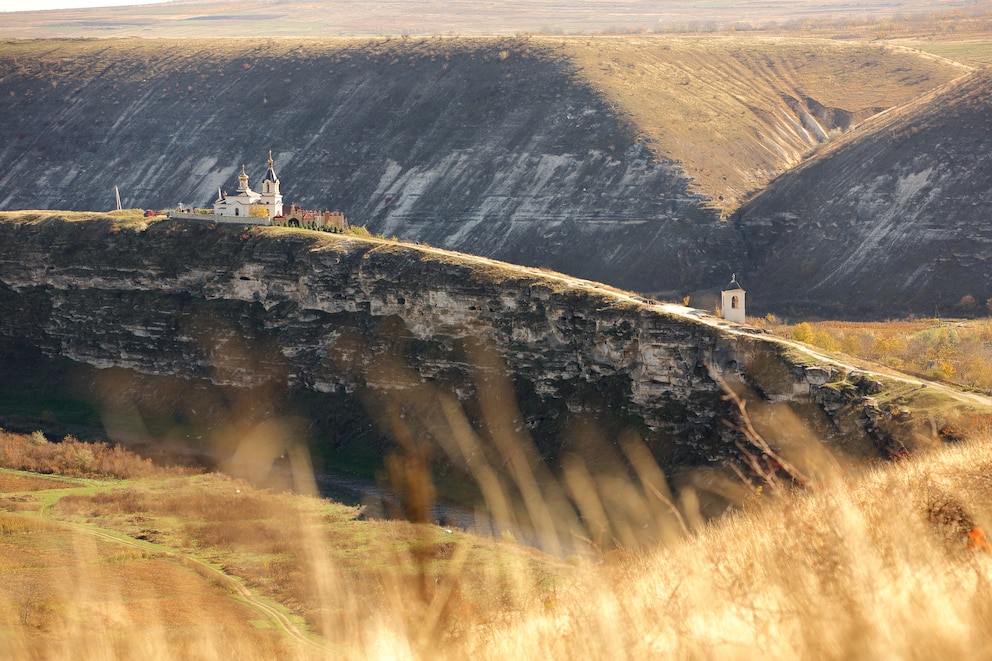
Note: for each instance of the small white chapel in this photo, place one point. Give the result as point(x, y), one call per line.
point(732, 301)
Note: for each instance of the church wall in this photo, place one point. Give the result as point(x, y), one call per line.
point(733, 310)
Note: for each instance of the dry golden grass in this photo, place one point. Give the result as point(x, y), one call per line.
point(881, 560)
point(477, 17)
point(66, 595)
point(314, 556)
point(74, 592)
point(72, 457)
point(15, 481)
point(972, 50)
point(892, 563)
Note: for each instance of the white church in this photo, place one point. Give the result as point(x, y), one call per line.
point(248, 204)
point(250, 207)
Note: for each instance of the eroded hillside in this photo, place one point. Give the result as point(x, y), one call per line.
point(894, 221)
point(586, 156)
point(735, 112)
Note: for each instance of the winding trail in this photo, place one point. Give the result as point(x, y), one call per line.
point(870, 369)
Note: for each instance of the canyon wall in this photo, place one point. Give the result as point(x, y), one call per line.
point(184, 330)
point(611, 159)
point(495, 147)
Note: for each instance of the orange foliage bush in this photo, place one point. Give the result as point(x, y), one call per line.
point(959, 351)
point(72, 457)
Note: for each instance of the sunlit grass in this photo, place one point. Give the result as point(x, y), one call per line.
point(883, 560)
point(875, 565)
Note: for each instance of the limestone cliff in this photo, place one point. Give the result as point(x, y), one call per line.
point(185, 330)
point(494, 147)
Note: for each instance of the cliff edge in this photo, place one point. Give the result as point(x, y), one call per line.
point(200, 333)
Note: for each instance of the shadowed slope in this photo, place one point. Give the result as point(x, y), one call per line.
point(893, 220)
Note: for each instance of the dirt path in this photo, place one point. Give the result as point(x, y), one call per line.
point(851, 365)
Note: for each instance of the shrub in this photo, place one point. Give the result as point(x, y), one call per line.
point(75, 458)
point(885, 347)
point(803, 332)
point(824, 340)
point(961, 351)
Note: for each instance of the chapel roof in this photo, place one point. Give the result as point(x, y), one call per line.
point(733, 284)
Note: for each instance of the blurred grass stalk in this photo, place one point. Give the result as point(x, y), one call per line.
point(880, 562)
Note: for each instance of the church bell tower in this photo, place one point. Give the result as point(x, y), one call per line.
point(732, 301)
point(271, 197)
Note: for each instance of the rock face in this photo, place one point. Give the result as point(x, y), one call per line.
point(891, 222)
point(191, 327)
point(495, 147)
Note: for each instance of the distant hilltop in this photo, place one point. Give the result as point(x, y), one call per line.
point(201, 19)
point(249, 207)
